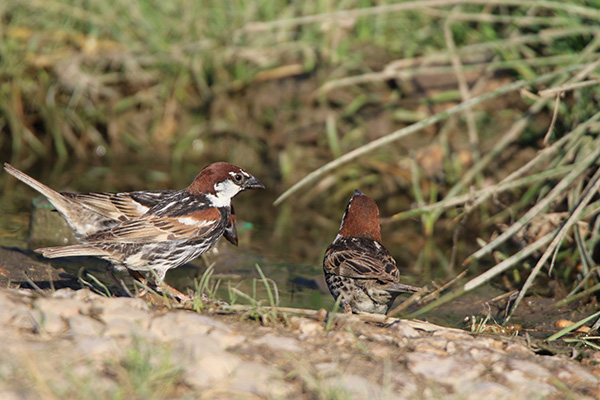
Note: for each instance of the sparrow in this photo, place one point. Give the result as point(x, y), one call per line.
point(360, 273)
point(151, 231)
point(89, 213)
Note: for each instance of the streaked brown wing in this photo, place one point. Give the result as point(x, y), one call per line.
point(148, 229)
point(360, 265)
point(119, 207)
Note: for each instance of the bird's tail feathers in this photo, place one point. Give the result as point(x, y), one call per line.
point(70, 251)
point(52, 195)
point(402, 288)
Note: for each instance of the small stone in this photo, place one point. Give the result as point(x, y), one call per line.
point(518, 349)
point(251, 378)
point(427, 348)
point(353, 387)
point(61, 307)
point(12, 395)
point(485, 356)
point(65, 293)
point(279, 343)
point(378, 338)
point(96, 347)
point(529, 368)
point(453, 335)
point(22, 318)
point(124, 327)
point(7, 307)
point(455, 371)
point(430, 345)
point(194, 347)
point(210, 369)
point(82, 325)
point(518, 380)
point(84, 294)
point(451, 348)
point(110, 304)
point(489, 343)
point(404, 329)
point(142, 318)
point(485, 390)
point(341, 338)
point(226, 340)
point(327, 368)
point(307, 326)
point(48, 322)
point(576, 375)
point(176, 324)
point(381, 352)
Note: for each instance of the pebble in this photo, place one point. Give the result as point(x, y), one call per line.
point(279, 343)
point(96, 347)
point(486, 390)
point(352, 387)
point(404, 329)
point(259, 380)
point(48, 322)
point(521, 382)
point(82, 325)
point(210, 369)
point(307, 326)
point(455, 371)
point(179, 323)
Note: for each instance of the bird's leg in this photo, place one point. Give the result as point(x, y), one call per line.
point(160, 279)
point(176, 293)
point(140, 278)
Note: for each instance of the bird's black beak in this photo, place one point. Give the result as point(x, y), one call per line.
point(253, 183)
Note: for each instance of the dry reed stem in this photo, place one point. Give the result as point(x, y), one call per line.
point(401, 133)
point(257, 27)
point(559, 235)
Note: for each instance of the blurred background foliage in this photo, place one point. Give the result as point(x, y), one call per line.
point(125, 95)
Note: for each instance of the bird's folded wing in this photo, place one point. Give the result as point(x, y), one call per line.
point(119, 207)
point(360, 265)
point(148, 229)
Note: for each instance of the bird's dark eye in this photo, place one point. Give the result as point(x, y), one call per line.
point(238, 178)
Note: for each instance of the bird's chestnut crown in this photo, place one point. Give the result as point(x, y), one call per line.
point(361, 218)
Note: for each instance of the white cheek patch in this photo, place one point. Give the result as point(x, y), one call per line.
point(225, 191)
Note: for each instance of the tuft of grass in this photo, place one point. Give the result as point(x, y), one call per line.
point(146, 371)
point(332, 315)
point(95, 285)
point(266, 314)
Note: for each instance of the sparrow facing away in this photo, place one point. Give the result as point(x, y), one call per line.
point(89, 213)
point(154, 230)
point(358, 269)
